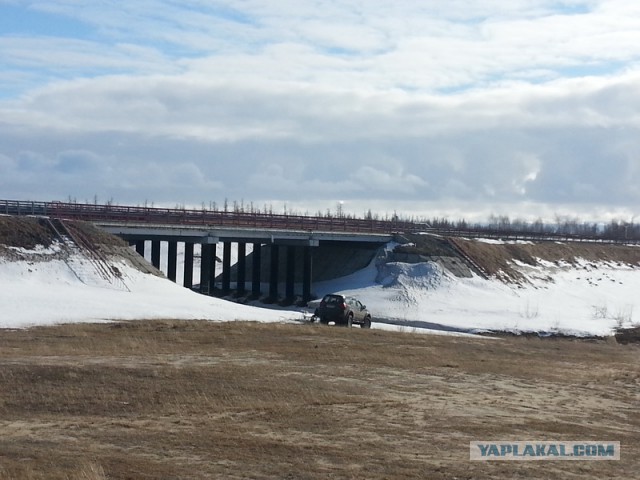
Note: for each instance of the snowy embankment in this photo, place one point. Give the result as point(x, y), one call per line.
point(48, 291)
point(583, 300)
point(586, 299)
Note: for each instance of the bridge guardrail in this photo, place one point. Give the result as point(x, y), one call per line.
point(221, 218)
point(131, 214)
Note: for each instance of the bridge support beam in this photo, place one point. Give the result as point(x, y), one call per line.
point(172, 261)
point(140, 247)
point(188, 265)
point(242, 268)
point(273, 277)
point(212, 268)
point(256, 270)
point(205, 269)
point(290, 273)
point(155, 253)
point(226, 268)
point(307, 270)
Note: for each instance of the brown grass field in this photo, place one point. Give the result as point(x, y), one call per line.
point(198, 400)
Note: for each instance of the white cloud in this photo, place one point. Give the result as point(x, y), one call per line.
point(481, 105)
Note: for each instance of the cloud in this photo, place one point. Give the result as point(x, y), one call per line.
point(456, 105)
point(407, 45)
point(567, 142)
point(77, 162)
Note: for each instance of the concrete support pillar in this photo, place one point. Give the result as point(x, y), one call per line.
point(155, 253)
point(212, 268)
point(256, 273)
point(140, 247)
point(172, 261)
point(242, 268)
point(307, 270)
point(290, 278)
point(205, 268)
point(226, 268)
point(188, 265)
point(273, 274)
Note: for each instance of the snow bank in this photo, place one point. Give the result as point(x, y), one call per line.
point(48, 292)
point(582, 299)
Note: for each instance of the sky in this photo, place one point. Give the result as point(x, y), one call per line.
point(461, 109)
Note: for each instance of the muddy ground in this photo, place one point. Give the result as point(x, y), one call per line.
point(196, 400)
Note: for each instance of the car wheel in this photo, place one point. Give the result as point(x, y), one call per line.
point(366, 323)
point(324, 320)
point(350, 321)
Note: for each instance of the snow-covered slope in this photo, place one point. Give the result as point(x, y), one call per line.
point(584, 300)
point(46, 290)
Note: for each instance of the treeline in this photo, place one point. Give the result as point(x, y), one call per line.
point(613, 230)
point(496, 224)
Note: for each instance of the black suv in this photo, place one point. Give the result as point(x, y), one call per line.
point(343, 311)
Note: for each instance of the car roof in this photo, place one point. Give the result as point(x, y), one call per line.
point(339, 295)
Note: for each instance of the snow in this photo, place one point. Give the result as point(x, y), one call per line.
point(580, 300)
point(39, 293)
point(584, 299)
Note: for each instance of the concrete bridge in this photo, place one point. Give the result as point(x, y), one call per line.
point(284, 248)
point(275, 254)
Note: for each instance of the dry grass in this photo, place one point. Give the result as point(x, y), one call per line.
point(194, 400)
point(498, 259)
point(26, 232)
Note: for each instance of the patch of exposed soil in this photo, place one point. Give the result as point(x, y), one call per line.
point(628, 335)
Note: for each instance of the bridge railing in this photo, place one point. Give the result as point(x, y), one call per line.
point(20, 207)
point(213, 218)
point(151, 215)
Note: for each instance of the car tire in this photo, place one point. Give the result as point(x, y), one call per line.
point(366, 323)
point(349, 323)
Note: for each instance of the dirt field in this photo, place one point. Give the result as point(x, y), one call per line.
point(195, 400)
